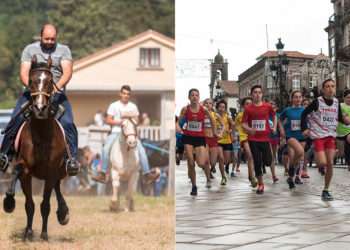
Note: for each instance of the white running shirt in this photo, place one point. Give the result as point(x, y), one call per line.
point(324, 121)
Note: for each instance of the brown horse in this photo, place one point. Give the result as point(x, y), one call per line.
point(41, 152)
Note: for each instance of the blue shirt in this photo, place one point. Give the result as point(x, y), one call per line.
point(179, 135)
point(291, 120)
point(275, 135)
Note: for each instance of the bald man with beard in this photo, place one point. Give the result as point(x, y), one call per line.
point(61, 69)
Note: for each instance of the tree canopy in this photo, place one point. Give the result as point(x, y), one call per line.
point(84, 25)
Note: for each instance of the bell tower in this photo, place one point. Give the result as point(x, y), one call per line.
point(218, 71)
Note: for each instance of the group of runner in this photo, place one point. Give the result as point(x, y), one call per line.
point(208, 135)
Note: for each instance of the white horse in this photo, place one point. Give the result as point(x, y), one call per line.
point(124, 160)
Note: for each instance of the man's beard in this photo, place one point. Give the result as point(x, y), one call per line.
point(47, 46)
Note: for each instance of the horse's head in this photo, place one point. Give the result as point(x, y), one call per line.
point(41, 87)
point(129, 129)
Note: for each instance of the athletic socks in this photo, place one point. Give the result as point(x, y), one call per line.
point(291, 171)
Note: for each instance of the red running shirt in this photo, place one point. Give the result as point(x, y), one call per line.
point(258, 117)
point(195, 122)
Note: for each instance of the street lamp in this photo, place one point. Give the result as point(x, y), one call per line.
point(279, 71)
point(219, 93)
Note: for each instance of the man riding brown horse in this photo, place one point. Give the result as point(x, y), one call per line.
point(40, 151)
point(61, 70)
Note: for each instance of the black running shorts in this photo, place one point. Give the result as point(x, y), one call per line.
point(193, 140)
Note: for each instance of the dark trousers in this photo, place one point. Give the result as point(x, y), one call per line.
point(66, 121)
point(262, 156)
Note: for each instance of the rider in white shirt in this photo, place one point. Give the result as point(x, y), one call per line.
point(117, 111)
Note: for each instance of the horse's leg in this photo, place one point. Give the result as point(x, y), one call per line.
point(115, 201)
point(119, 197)
point(9, 201)
point(26, 183)
point(130, 192)
point(62, 209)
point(45, 209)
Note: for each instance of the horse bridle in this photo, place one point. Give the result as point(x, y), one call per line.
point(53, 83)
point(127, 135)
point(134, 123)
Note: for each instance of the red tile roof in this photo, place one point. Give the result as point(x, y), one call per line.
point(230, 88)
point(295, 54)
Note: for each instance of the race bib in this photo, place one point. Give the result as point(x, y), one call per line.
point(259, 125)
point(328, 119)
point(295, 125)
point(207, 123)
point(194, 126)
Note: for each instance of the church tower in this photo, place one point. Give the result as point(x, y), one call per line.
point(218, 71)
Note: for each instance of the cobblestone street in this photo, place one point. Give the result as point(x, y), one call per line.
point(234, 217)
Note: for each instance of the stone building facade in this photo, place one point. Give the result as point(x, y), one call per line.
point(304, 72)
point(338, 30)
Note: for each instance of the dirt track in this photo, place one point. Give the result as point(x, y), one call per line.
point(93, 226)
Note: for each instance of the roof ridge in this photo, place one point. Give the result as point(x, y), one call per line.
point(289, 53)
point(101, 52)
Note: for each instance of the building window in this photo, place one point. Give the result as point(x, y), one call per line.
point(346, 36)
point(295, 82)
point(149, 57)
point(332, 42)
point(332, 53)
point(269, 84)
point(312, 82)
point(333, 75)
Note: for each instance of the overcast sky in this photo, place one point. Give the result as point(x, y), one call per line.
point(238, 29)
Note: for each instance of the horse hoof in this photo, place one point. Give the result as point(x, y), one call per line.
point(114, 206)
point(9, 203)
point(73, 169)
point(44, 236)
point(64, 221)
point(72, 172)
point(28, 234)
point(63, 217)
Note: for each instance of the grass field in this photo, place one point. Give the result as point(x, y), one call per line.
point(93, 226)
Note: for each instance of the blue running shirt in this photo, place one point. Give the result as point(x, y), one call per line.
point(291, 118)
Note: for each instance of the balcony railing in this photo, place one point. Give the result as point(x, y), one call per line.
point(95, 136)
point(149, 132)
point(144, 132)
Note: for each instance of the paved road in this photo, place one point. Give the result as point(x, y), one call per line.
point(234, 217)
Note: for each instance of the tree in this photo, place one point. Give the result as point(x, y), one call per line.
point(84, 25)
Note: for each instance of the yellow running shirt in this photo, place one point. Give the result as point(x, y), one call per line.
point(226, 136)
point(243, 136)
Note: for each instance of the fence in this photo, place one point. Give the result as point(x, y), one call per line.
point(95, 136)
